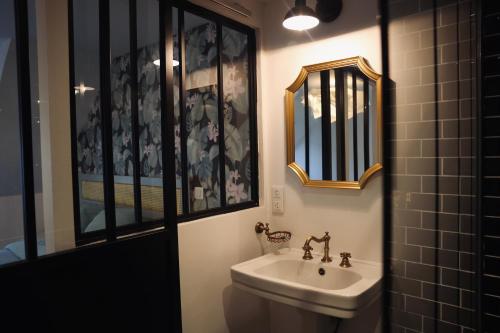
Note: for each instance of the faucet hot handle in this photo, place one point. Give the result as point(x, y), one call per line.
point(307, 247)
point(259, 227)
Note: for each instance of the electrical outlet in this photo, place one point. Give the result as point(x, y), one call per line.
point(198, 193)
point(277, 200)
point(277, 206)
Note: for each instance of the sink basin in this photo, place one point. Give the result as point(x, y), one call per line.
point(283, 276)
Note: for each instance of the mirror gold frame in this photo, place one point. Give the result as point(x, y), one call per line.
point(365, 68)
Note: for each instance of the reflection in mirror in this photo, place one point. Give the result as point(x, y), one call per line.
point(333, 124)
point(300, 122)
point(313, 114)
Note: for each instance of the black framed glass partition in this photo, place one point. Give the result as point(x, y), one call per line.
point(11, 121)
point(117, 116)
point(115, 162)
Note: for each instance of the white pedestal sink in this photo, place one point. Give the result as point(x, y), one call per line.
point(283, 276)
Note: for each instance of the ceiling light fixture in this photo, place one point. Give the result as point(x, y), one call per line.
point(301, 17)
point(82, 88)
point(157, 62)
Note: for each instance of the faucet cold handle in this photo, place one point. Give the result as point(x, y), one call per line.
point(345, 259)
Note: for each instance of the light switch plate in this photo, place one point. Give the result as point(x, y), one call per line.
point(277, 199)
point(277, 191)
point(198, 193)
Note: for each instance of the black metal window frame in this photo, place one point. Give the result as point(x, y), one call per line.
point(220, 21)
point(112, 231)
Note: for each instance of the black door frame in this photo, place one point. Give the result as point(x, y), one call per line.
point(159, 248)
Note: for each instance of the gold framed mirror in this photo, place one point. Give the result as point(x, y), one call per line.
point(334, 124)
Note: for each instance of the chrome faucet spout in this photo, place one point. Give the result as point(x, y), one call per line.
point(307, 247)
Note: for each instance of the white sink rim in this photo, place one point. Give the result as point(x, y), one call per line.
point(342, 303)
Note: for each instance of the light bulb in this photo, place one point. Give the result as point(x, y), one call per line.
point(300, 22)
point(157, 62)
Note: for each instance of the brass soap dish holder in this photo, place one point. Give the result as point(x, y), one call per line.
point(273, 237)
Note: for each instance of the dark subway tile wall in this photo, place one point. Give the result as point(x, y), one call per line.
point(491, 226)
point(491, 105)
point(432, 54)
point(491, 166)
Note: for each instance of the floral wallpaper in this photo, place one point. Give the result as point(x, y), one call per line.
point(201, 109)
point(236, 116)
point(121, 116)
point(89, 142)
point(149, 111)
point(201, 115)
point(203, 146)
point(90, 139)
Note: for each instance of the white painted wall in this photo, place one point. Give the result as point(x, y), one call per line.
point(207, 250)
point(353, 218)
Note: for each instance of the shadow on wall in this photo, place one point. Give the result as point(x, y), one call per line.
point(364, 11)
point(239, 306)
point(286, 318)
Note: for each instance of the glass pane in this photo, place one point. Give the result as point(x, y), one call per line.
point(360, 108)
point(88, 114)
point(177, 110)
point(236, 116)
point(48, 63)
point(120, 76)
point(11, 203)
point(300, 130)
point(148, 71)
point(36, 124)
point(315, 129)
point(201, 111)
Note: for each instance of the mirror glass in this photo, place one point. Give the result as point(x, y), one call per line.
point(333, 124)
